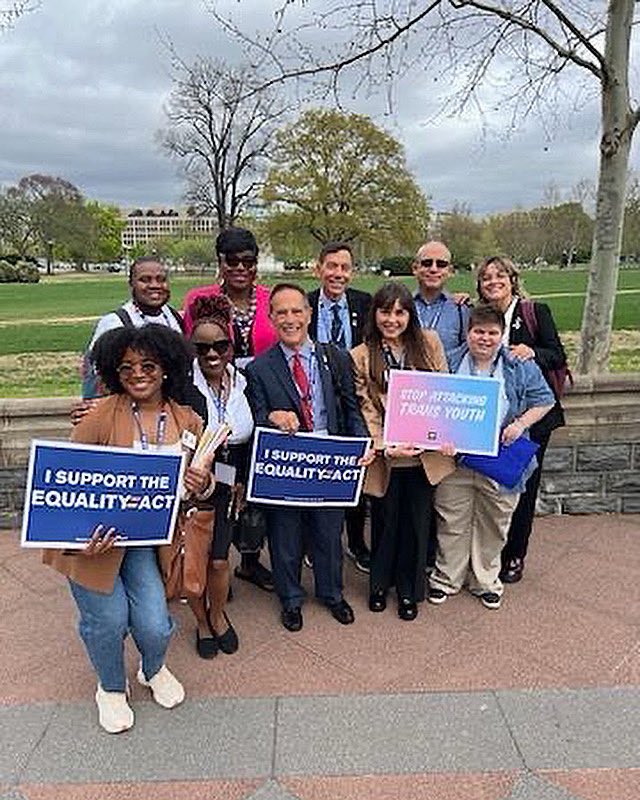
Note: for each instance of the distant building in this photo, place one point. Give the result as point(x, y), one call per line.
point(145, 225)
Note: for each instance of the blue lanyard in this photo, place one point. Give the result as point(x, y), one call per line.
point(423, 308)
point(492, 370)
point(161, 427)
point(219, 401)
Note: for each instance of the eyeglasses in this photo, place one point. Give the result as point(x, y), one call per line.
point(248, 262)
point(220, 347)
point(440, 263)
point(146, 367)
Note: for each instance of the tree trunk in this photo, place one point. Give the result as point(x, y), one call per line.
point(618, 124)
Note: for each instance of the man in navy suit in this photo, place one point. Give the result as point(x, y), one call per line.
point(338, 315)
point(326, 404)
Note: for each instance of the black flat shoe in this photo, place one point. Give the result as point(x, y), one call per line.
point(227, 641)
point(206, 646)
point(512, 572)
point(407, 609)
point(377, 601)
point(259, 576)
point(292, 619)
point(343, 612)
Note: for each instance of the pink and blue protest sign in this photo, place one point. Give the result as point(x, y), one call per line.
point(429, 409)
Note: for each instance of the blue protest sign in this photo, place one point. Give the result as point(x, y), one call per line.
point(305, 470)
point(71, 488)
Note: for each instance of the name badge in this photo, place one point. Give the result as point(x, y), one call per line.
point(188, 440)
point(225, 473)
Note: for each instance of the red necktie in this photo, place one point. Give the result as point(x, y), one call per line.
point(304, 387)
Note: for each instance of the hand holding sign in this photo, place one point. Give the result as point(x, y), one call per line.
point(102, 540)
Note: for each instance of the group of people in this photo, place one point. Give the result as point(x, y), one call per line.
point(245, 355)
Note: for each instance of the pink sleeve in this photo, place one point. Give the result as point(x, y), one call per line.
point(263, 334)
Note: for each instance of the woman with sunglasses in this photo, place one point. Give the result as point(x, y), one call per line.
point(530, 333)
point(253, 333)
point(119, 590)
point(401, 479)
point(222, 387)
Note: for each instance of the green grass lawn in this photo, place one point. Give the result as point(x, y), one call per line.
point(53, 320)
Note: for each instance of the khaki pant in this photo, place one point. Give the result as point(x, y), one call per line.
point(473, 521)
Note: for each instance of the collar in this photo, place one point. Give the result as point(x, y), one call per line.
point(327, 302)
point(306, 350)
point(441, 298)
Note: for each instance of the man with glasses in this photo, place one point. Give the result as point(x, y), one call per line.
point(437, 309)
point(338, 315)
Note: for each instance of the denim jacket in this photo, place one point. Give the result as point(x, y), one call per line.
point(524, 386)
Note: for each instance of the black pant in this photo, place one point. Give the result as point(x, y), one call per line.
point(399, 533)
point(522, 519)
point(355, 519)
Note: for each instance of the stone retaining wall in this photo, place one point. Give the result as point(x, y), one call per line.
point(592, 465)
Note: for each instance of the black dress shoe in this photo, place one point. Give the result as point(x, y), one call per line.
point(343, 612)
point(512, 571)
point(407, 609)
point(257, 575)
point(206, 646)
point(377, 601)
point(227, 641)
point(292, 619)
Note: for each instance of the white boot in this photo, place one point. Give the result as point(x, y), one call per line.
point(114, 712)
point(166, 689)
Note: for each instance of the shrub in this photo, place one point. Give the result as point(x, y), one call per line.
point(20, 272)
point(396, 265)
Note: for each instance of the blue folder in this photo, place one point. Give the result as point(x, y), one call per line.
point(508, 467)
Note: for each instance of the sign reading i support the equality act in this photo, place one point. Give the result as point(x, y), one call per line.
point(428, 409)
point(71, 488)
point(304, 469)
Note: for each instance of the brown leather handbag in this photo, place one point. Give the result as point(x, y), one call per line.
point(183, 563)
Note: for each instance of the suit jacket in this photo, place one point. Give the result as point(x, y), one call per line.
point(373, 403)
point(549, 355)
point(109, 422)
point(270, 387)
point(358, 303)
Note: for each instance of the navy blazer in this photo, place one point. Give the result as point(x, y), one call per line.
point(358, 302)
point(549, 354)
point(270, 387)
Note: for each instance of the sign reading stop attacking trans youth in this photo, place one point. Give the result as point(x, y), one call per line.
point(71, 488)
point(303, 469)
point(429, 409)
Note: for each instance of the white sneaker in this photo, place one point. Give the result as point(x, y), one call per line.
point(114, 713)
point(166, 689)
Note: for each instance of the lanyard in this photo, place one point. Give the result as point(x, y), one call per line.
point(424, 308)
point(219, 401)
point(493, 368)
point(161, 427)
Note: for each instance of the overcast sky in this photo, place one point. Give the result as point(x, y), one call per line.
point(83, 85)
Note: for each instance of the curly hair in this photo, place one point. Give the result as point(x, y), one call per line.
point(215, 309)
point(412, 339)
point(157, 342)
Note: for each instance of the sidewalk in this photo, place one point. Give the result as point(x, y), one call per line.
point(537, 701)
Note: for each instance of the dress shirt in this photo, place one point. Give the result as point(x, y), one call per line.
point(325, 318)
point(311, 367)
point(445, 317)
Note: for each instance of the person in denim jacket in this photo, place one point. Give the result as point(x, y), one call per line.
point(474, 511)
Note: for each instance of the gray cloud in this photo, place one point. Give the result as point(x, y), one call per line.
point(83, 86)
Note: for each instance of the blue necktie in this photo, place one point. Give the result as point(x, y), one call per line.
point(337, 331)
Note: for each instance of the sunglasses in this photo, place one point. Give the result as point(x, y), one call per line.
point(440, 263)
point(220, 347)
point(248, 262)
point(146, 367)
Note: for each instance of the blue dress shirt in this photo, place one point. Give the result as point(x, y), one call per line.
point(310, 364)
point(325, 318)
point(444, 316)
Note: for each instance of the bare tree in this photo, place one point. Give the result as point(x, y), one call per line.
point(220, 128)
point(531, 43)
point(11, 12)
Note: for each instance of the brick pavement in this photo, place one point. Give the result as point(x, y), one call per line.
point(538, 701)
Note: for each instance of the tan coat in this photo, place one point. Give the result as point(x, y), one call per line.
point(109, 423)
point(372, 404)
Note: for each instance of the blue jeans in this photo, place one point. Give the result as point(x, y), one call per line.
point(138, 606)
